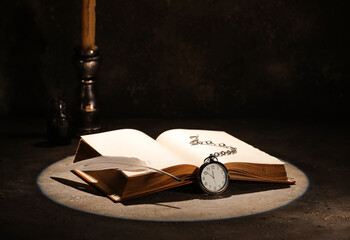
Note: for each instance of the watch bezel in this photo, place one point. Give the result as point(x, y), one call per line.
point(202, 186)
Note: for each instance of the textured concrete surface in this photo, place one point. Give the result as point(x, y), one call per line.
point(183, 204)
point(320, 149)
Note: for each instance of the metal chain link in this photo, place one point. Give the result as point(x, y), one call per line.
point(232, 150)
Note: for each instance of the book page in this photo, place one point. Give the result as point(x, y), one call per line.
point(178, 140)
point(133, 143)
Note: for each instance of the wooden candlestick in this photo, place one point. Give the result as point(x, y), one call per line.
point(87, 63)
point(88, 22)
point(87, 60)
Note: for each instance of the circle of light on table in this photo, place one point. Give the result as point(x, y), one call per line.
point(64, 189)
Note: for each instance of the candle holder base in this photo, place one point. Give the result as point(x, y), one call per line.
point(86, 131)
point(87, 63)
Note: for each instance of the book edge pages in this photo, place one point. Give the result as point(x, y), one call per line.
point(118, 198)
point(93, 182)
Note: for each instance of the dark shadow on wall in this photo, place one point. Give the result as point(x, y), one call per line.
point(182, 58)
point(24, 48)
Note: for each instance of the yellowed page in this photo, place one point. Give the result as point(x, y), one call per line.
point(178, 140)
point(133, 143)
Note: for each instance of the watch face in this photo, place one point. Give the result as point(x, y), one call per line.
point(213, 178)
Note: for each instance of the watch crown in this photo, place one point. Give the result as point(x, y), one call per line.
point(211, 158)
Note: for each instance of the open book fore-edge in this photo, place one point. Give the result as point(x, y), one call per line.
point(123, 189)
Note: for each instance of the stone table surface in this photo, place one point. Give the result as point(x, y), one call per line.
point(180, 204)
point(320, 150)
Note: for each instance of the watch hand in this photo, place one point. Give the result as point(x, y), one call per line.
point(213, 176)
point(209, 174)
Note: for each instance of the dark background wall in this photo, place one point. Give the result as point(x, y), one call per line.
point(174, 58)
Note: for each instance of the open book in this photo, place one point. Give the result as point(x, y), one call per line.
point(173, 153)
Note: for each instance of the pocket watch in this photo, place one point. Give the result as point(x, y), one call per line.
point(213, 177)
